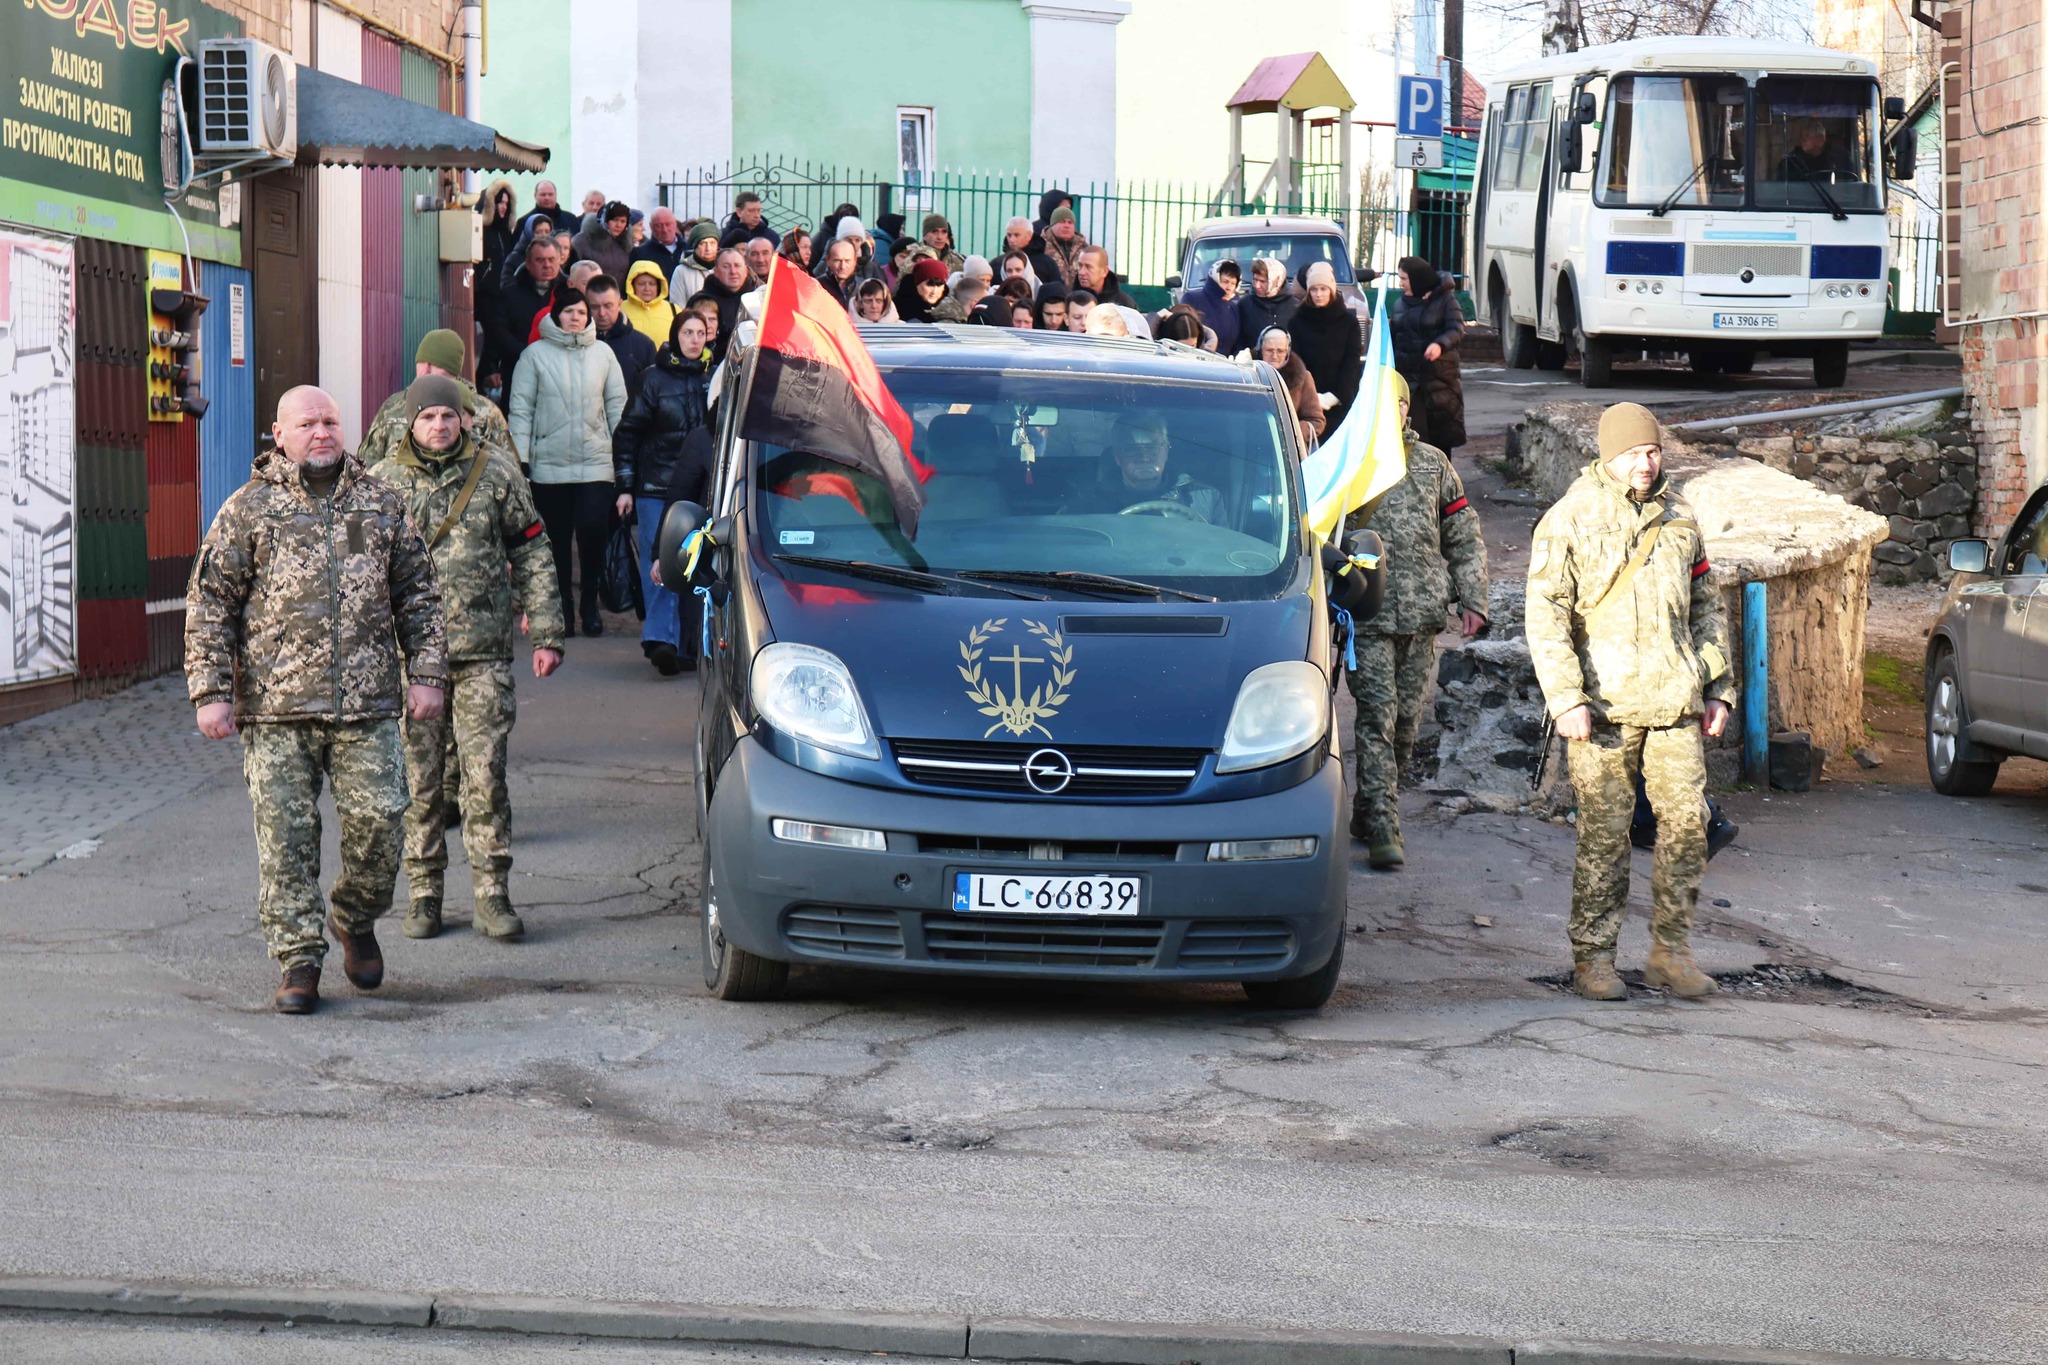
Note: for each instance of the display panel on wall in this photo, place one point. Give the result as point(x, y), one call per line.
point(81, 127)
point(38, 391)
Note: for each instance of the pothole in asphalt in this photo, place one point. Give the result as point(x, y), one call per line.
point(1783, 984)
point(1576, 1146)
point(940, 1139)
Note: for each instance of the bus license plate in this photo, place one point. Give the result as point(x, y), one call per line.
point(1006, 893)
point(1753, 320)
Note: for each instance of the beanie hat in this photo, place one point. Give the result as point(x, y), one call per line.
point(433, 391)
point(1626, 426)
point(705, 231)
point(1063, 214)
point(565, 298)
point(928, 268)
point(1319, 272)
point(443, 350)
point(849, 226)
point(935, 222)
point(891, 223)
point(978, 268)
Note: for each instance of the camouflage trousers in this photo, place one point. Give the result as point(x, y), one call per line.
point(466, 745)
point(284, 763)
point(1672, 761)
point(1389, 684)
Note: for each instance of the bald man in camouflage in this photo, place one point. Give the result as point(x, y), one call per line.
point(1630, 644)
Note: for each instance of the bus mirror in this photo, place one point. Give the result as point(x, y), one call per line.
point(1571, 149)
point(1905, 155)
point(1587, 110)
point(1894, 106)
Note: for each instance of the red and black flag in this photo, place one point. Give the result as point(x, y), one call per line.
point(816, 389)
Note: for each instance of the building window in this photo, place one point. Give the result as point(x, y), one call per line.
point(914, 157)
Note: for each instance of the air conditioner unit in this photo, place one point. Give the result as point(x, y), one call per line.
point(248, 101)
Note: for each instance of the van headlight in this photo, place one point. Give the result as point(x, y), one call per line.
point(1281, 711)
point(807, 694)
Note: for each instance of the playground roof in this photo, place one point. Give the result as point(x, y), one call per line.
point(1301, 81)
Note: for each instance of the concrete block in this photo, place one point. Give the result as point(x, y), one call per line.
point(1795, 761)
point(933, 1334)
point(1658, 1353)
point(362, 1307)
point(1090, 1343)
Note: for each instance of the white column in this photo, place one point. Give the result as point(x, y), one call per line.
point(338, 45)
point(685, 57)
point(604, 114)
point(1073, 89)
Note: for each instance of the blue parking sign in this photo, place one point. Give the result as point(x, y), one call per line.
point(1421, 111)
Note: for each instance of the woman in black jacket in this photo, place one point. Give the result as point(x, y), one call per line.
point(1328, 341)
point(1428, 325)
point(661, 454)
point(1268, 303)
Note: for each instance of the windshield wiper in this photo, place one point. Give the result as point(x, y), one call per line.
point(1834, 206)
point(1074, 578)
point(898, 574)
point(1671, 199)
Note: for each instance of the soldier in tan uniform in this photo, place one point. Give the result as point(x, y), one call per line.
point(1630, 644)
point(492, 558)
point(1434, 556)
point(309, 586)
point(440, 352)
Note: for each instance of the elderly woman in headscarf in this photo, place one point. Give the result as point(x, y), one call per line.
point(1271, 302)
point(1276, 348)
point(1328, 340)
point(1427, 326)
point(871, 303)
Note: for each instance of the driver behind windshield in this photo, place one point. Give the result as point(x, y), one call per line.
point(1813, 156)
point(1138, 474)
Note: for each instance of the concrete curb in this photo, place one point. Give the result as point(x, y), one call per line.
point(932, 1335)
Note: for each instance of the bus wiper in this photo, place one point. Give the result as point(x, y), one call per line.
point(1834, 205)
point(1671, 199)
point(1074, 578)
point(897, 574)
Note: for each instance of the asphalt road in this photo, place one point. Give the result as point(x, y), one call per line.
point(1452, 1146)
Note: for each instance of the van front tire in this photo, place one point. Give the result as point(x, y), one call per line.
point(1309, 992)
point(730, 971)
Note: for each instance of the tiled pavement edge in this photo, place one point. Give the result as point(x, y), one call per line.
point(73, 774)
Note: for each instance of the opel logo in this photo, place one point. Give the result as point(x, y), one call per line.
point(1048, 771)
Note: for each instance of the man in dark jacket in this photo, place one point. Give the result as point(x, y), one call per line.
point(1092, 273)
point(661, 454)
point(664, 245)
point(842, 271)
point(728, 284)
point(526, 293)
point(1216, 300)
point(633, 348)
point(547, 200)
point(746, 222)
point(1047, 202)
point(608, 242)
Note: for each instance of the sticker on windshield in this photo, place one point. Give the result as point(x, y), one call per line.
point(798, 537)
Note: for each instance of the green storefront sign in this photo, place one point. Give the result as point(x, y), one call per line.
point(81, 128)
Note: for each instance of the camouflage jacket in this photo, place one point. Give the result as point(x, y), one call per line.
point(1434, 549)
point(1657, 649)
point(481, 604)
point(388, 428)
point(298, 606)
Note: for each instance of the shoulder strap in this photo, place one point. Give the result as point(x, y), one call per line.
point(476, 476)
point(1639, 556)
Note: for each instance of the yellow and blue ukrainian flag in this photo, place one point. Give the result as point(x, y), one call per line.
point(1365, 456)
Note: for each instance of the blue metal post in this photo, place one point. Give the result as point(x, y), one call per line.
point(1756, 685)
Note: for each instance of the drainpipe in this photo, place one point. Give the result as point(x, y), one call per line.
point(471, 19)
point(1756, 686)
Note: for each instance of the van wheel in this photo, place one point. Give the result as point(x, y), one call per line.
point(1517, 341)
point(1955, 766)
point(1831, 365)
point(1309, 992)
point(1596, 362)
point(731, 972)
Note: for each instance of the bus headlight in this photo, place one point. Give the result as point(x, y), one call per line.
point(1280, 712)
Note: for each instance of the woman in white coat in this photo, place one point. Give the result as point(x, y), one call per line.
point(568, 394)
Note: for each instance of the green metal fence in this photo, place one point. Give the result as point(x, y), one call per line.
point(1913, 303)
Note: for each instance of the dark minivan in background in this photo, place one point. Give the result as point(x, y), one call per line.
point(1079, 725)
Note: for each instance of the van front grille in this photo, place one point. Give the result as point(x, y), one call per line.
point(1045, 941)
point(1241, 945)
point(1098, 770)
point(845, 930)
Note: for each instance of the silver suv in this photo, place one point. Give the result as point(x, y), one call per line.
point(1299, 241)
point(1987, 657)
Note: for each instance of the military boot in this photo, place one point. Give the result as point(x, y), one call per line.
point(300, 990)
point(1384, 852)
point(424, 919)
point(362, 961)
point(495, 919)
point(1596, 979)
point(1673, 970)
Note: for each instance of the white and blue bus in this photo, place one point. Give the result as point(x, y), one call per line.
point(1716, 196)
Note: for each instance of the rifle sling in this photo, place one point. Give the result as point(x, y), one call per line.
point(476, 476)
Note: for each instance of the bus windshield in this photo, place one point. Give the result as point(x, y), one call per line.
point(1708, 141)
point(1182, 485)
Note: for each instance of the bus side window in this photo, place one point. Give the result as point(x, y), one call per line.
point(1535, 137)
point(1513, 128)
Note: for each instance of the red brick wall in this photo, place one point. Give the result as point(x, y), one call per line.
point(1994, 101)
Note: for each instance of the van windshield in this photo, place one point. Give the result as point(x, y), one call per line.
point(1300, 250)
point(1185, 486)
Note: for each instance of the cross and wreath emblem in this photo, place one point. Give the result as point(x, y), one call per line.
point(1013, 710)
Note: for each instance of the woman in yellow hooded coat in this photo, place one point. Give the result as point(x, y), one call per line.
point(646, 303)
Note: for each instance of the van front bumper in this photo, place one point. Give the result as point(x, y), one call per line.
point(1199, 920)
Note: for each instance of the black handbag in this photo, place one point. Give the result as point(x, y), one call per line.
point(619, 587)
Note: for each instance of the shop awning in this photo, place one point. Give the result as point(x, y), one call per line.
point(342, 123)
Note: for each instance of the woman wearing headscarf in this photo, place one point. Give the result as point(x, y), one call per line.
point(871, 303)
point(1276, 348)
point(796, 249)
point(656, 464)
point(1216, 301)
point(922, 290)
point(1270, 303)
point(701, 255)
point(500, 210)
point(1427, 326)
point(568, 394)
point(1328, 339)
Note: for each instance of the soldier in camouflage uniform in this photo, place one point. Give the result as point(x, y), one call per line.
point(307, 588)
point(440, 352)
point(1630, 645)
point(1434, 556)
point(472, 538)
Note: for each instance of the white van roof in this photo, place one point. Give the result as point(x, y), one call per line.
point(1690, 54)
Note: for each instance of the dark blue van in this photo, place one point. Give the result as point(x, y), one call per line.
point(1080, 725)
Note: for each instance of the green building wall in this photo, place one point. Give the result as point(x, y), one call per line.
point(526, 86)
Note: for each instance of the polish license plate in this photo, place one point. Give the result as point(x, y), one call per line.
point(1011, 893)
point(1767, 321)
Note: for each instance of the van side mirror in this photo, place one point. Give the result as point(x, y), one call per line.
point(678, 524)
point(1894, 106)
point(1357, 574)
point(1969, 556)
point(1905, 155)
point(1173, 281)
